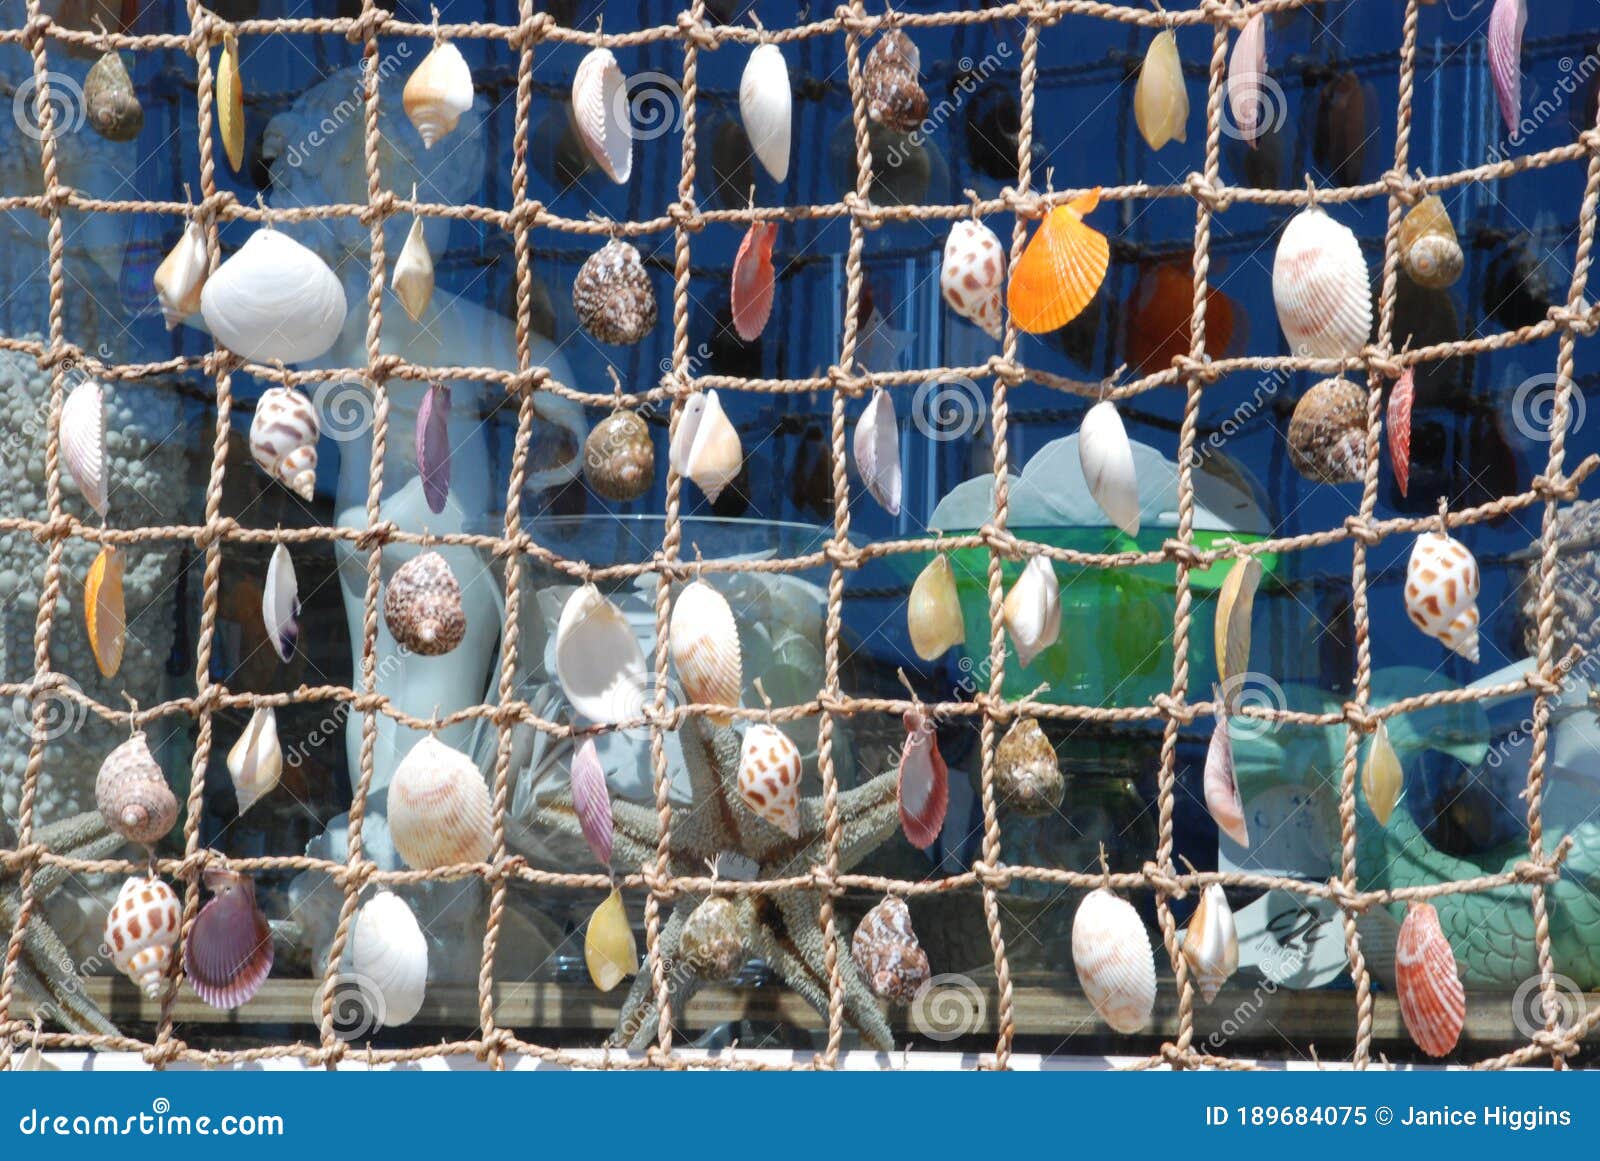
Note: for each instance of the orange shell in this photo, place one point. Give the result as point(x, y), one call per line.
point(752, 281)
point(1433, 1003)
point(1061, 269)
point(1160, 311)
point(103, 610)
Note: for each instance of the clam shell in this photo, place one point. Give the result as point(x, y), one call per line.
point(1033, 609)
point(283, 439)
point(433, 445)
point(924, 787)
point(613, 296)
point(389, 955)
point(769, 777)
point(765, 108)
point(1161, 99)
point(1429, 248)
point(706, 446)
point(274, 300)
point(1381, 776)
point(600, 112)
point(713, 939)
point(933, 612)
point(704, 642)
point(413, 273)
point(133, 795)
point(1433, 1003)
point(438, 92)
point(877, 451)
point(1397, 423)
point(1320, 286)
point(887, 954)
point(1328, 433)
point(591, 800)
point(598, 661)
point(181, 276)
point(422, 606)
point(83, 442)
point(619, 457)
point(609, 949)
point(1027, 774)
point(1115, 965)
point(1060, 270)
point(889, 83)
point(1211, 942)
point(255, 763)
point(1506, 21)
point(230, 102)
point(228, 954)
point(280, 603)
point(1442, 592)
point(141, 931)
point(104, 614)
point(1235, 602)
point(972, 275)
point(1107, 460)
point(1221, 787)
point(111, 105)
point(439, 811)
point(1247, 70)
point(753, 279)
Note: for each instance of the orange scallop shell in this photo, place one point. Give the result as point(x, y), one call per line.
point(753, 281)
point(103, 610)
point(1061, 269)
point(1433, 1002)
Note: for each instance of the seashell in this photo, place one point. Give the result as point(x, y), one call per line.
point(228, 954)
point(769, 777)
point(182, 275)
point(1156, 322)
point(1320, 286)
point(1442, 592)
point(1433, 1003)
point(413, 272)
point(598, 661)
point(1211, 942)
point(1027, 774)
point(1112, 956)
point(103, 612)
point(889, 82)
point(1397, 423)
point(609, 949)
point(972, 274)
point(1235, 601)
point(887, 954)
point(753, 281)
point(933, 612)
point(619, 457)
point(141, 930)
point(1248, 96)
point(230, 102)
point(283, 439)
point(1060, 270)
point(274, 300)
point(32, 1060)
point(1033, 609)
point(706, 445)
point(422, 606)
point(877, 448)
point(591, 800)
point(765, 108)
point(438, 92)
point(1506, 22)
point(109, 100)
point(924, 788)
point(1381, 776)
point(1221, 787)
point(256, 763)
point(704, 641)
point(713, 939)
point(600, 112)
point(133, 795)
point(389, 955)
point(1107, 460)
point(613, 295)
point(83, 442)
point(1328, 433)
point(1161, 99)
point(280, 603)
point(439, 812)
point(433, 445)
point(1429, 247)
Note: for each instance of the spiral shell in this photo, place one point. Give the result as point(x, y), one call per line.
point(972, 275)
point(706, 447)
point(438, 92)
point(887, 954)
point(1429, 247)
point(133, 795)
point(704, 642)
point(422, 606)
point(439, 810)
point(1328, 433)
point(1320, 286)
point(256, 762)
point(109, 100)
point(1027, 774)
point(619, 457)
point(613, 296)
point(1442, 592)
point(1211, 943)
point(413, 273)
point(83, 442)
point(894, 95)
point(714, 938)
point(1115, 964)
point(1433, 1002)
point(228, 954)
point(389, 951)
point(769, 777)
point(1106, 457)
point(283, 439)
point(141, 931)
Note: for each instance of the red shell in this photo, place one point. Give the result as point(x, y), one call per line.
point(228, 954)
point(1398, 423)
point(924, 782)
point(752, 281)
point(1433, 1002)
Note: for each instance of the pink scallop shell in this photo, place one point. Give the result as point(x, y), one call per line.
point(228, 954)
point(1433, 1002)
point(752, 281)
point(1506, 23)
point(924, 782)
point(591, 800)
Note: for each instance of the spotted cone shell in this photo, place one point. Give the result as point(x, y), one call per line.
point(973, 275)
point(283, 439)
point(228, 955)
point(133, 795)
point(1442, 592)
point(704, 642)
point(1115, 965)
point(613, 296)
point(769, 777)
point(619, 458)
point(887, 954)
point(1433, 1002)
point(894, 96)
point(1027, 776)
point(141, 930)
point(1320, 285)
point(422, 606)
point(1328, 434)
point(713, 940)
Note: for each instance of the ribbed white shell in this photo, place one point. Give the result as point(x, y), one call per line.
point(389, 952)
point(256, 762)
point(704, 641)
point(765, 107)
point(600, 112)
point(274, 299)
point(1211, 942)
point(1112, 956)
point(1107, 459)
point(181, 275)
point(439, 811)
point(972, 275)
point(438, 92)
point(877, 450)
point(706, 448)
point(598, 661)
point(1442, 592)
point(83, 441)
point(1320, 285)
point(1033, 609)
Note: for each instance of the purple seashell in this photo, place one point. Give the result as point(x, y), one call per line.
point(433, 445)
point(228, 954)
point(591, 800)
point(1506, 23)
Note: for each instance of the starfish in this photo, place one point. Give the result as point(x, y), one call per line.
point(785, 928)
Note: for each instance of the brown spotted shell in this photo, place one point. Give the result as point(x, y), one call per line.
point(109, 100)
point(712, 944)
point(423, 606)
point(887, 954)
point(133, 795)
point(1027, 775)
point(1328, 434)
point(613, 296)
point(895, 98)
point(619, 459)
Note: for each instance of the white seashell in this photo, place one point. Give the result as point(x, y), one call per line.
point(280, 603)
point(83, 442)
point(1107, 459)
point(1211, 942)
point(1033, 609)
point(256, 763)
point(598, 660)
point(439, 812)
point(141, 931)
point(413, 273)
point(283, 439)
point(1249, 90)
point(765, 107)
point(1442, 592)
point(600, 111)
point(1220, 785)
point(1112, 956)
point(389, 956)
point(1320, 286)
point(706, 447)
point(274, 300)
point(181, 275)
point(438, 92)
point(769, 777)
point(704, 641)
point(877, 448)
point(972, 275)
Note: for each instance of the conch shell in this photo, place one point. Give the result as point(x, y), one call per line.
point(706, 446)
point(438, 92)
point(972, 274)
point(133, 795)
point(422, 606)
point(887, 954)
point(1211, 943)
point(598, 660)
point(141, 931)
point(1442, 592)
point(413, 272)
point(283, 439)
point(182, 275)
point(256, 763)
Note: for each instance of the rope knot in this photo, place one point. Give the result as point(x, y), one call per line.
point(994, 876)
point(1557, 487)
point(377, 535)
point(35, 30)
point(825, 882)
point(1360, 717)
point(685, 214)
point(1401, 187)
point(1360, 528)
point(213, 531)
point(862, 210)
point(57, 528)
point(379, 206)
point(696, 31)
point(367, 25)
point(1383, 362)
point(1179, 711)
point(1182, 553)
point(532, 30)
point(524, 215)
point(1217, 199)
point(1007, 371)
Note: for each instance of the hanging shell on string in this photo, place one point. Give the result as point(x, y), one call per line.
point(439, 810)
point(256, 762)
point(1397, 426)
point(1027, 774)
point(890, 84)
point(422, 606)
point(609, 949)
point(753, 281)
point(1115, 964)
point(413, 272)
point(973, 274)
point(703, 638)
point(933, 612)
point(182, 276)
point(133, 795)
point(769, 777)
point(274, 300)
point(280, 603)
point(706, 447)
point(619, 457)
point(1507, 20)
point(765, 107)
point(1106, 457)
point(1328, 433)
point(433, 445)
point(714, 938)
point(389, 956)
point(1248, 93)
point(104, 613)
point(109, 101)
point(598, 660)
point(924, 784)
point(1235, 602)
point(283, 439)
point(1320, 287)
point(141, 931)
point(230, 102)
point(1033, 609)
point(1381, 776)
point(877, 450)
point(228, 954)
point(1428, 986)
point(1429, 248)
point(1060, 270)
point(1161, 98)
point(1220, 784)
point(887, 954)
point(613, 296)
point(1211, 942)
point(601, 113)
point(591, 800)
point(1442, 592)
point(83, 442)
point(438, 92)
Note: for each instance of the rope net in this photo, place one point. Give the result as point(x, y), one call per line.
point(653, 884)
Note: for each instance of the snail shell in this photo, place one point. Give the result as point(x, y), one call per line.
point(713, 940)
point(1027, 774)
point(422, 606)
point(109, 100)
point(133, 795)
point(887, 954)
point(895, 98)
point(619, 458)
point(283, 439)
point(613, 296)
point(1328, 434)
point(1429, 246)
point(438, 92)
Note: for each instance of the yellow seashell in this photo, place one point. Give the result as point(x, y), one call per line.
point(1429, 246)
point(103, 610)
point(609, 948)
point(1161, 100)
point(1382, 776)
point(230, 102)
point(1234, 604)
point(933, 613)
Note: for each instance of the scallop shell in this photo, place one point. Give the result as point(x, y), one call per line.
point(889, 83)
point(1211, 942)
point(413, 273)
point(753, 281)
point(1247, 72)
point(280, 603)
point(1328, 433)
point(1433, 1003)
point(887, 954)
point(1033, 609)
point(438, 92)
point(182, 275)
point(924, 783)
point(600, 111)
point(103, 611)
point(1235, 602)
point(1320, 286)
point(1027, 774)
point(141, 931)
point(714, 939)
point(1397, 424)
point(1442, 592)
point(1060, 270)
point(706, 446)
point(613, 296)
point(1107, 460)
point(439, 811)
point(389, 955)
point(591, 800)
point(769, 777)
point(609, 949)
point(274, 300)
point(433, 445)
point(256, 763)
point(704, 641)
point(1381, 776)
point(422, 606)
point(133, 795)
point(598, 661)
point(109, 100)
point(1161, 99)
point(933, 612)
point(972, 275)
point(765, 108)
point(228, 954)
point(1115, 965)
point(83, 442)
point(1221, 787)
point(1506, 23)
point(877, 450)
point(230, 102)
point(283, 439)
point(1429, 246)
point(619, 457)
